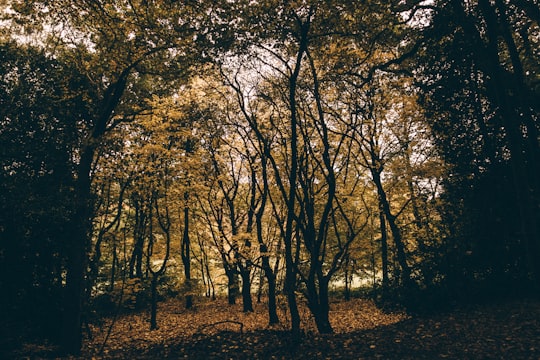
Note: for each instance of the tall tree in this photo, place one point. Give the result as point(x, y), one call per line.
point(43, 102)
point(119, 48)
point(485, 121)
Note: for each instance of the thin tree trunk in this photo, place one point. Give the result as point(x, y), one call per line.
point(260, 289)
point(271, 279)
point(136, 260)
point(165, 225)
point(153, 307)
point(113, 268)
point(186, 256)
point(384, 252)
point(347, 292)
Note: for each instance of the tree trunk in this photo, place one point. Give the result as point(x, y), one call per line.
point(80, 225)
point(319, 305)
point(247, 301)
point(232, 285)
point(136, 260)
point(384, 252)
point(210, 282)
point(272, 306)
point(347, 292)
point(153, 307)
point(317, 285)
point(186, 256)
point(290, 272)
point(260, 288)
point(71, 336)
point(113, 267)
point(271, 279)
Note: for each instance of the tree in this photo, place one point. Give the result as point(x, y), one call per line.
point(294, 57)
point(110, 191)
point(120, 48)
point(256, 149)
point(186, 252)
point(486, 126)
point(375, 148)
point(164, 222)
point(43, 103)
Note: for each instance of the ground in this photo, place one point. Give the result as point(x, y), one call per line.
point(216, 330)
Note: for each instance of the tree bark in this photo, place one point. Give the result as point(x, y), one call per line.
point(245, 274)
point(153, 307)
point(384, 252)
point(319, 305)
point(186, 255)
point(232, 284)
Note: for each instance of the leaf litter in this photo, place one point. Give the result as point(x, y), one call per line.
point(217, 330)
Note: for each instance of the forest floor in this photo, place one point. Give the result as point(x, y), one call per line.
point(216, 330)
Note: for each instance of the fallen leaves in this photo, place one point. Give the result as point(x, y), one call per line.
point(216, 330)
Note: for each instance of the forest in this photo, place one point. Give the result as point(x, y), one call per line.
point(318, 179)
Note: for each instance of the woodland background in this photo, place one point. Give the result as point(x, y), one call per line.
point(289, 151)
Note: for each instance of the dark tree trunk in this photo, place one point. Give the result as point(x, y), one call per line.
point(260, 288)
point(290, 271)
point(271, 279)
point(165, 225)
point(186, 256)
point(317, 285)
point(384, 252)
point(232, 285)
point(205, 271)
point(272, 306)
point(247, 301)
point(153, 307)
point(71, 338)
point(213, 290)
point(71, 334)
point(319, 305)
point(263, 248)
point(212, 294)
point(136, 260)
